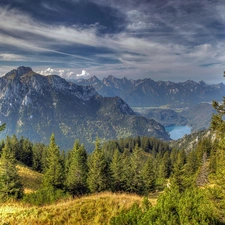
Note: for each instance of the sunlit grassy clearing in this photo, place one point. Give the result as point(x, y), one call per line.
point(93, 209)
point(30, 179)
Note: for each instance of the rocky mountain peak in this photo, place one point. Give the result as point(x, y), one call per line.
point(19, 72)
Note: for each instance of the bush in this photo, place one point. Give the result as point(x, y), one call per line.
point(44, 196)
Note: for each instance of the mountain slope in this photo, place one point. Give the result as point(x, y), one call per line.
point(147, 92)
point(34, 106)
point(95, 209)
point(198, 117)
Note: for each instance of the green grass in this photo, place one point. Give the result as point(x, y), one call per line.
point(30, 179)
point(94, 209)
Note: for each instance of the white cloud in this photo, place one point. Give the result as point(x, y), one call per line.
point(65, 73)
point(83, 74)
point(9, 57)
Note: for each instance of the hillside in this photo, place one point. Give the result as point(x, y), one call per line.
point(198, 116)
point(30, 179)
point(93, 209)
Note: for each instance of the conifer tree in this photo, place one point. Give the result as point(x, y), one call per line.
point(37, 156)
point(136, 180)
point(178, 180)
point(76, 179)
point(218, 125)
point(10, 185)
point(116, 169)
point(149, 176)
point(54, 174)
point(97, 170)
point(126, 176)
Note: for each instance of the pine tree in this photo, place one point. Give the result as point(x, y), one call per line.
point(54, 174)
point(149, 176)
point(37, 155)
point(98, 179)
point(25, 152)
point(218, 125)
point(10, 185)
point(76, 179)
point(116, 169)
point(178, 179)
point(136, 181)
point(126, 176)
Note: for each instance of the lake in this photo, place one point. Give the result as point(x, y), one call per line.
point(177, 132)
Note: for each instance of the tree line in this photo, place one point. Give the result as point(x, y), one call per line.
point(134, 165)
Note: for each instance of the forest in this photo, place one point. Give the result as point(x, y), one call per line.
point(190, 184)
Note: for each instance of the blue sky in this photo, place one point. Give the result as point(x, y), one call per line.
point(172, 40)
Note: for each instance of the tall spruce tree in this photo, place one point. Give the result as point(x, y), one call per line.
point(136, 181)
point(149, 176)
point(98, 179)
point(10, 185)
point(116, 169)
point(218, 126)
point(54, 174)
point(76, 179)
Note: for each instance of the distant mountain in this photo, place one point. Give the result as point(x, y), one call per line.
point(198, 117)
point(147, 92)
point(166, 117)
point(34, 106)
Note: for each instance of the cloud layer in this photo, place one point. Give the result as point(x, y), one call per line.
point(164, 40)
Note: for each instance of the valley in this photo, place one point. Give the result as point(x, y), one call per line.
point(188, 119)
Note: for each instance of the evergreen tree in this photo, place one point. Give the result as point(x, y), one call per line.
point(178, 179)
point(126, 176)
point(192, 163)
point(218, 125)
point(37, 155)
point(54, 174)
point(76, 179)
point(10, 185)
point(98, 179)
point(136, 181)
point(116, 169)
point(149, 176)
point(25, 152)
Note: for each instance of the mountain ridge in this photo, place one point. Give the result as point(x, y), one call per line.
point(35, 106)
point(148, 93)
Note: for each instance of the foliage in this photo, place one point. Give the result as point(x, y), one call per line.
point(10, 184)
point(98, 170)
point(173, 207)
point(76, 178)
point(44, 196)
point(54, 174)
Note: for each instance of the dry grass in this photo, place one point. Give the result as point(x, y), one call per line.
point(30, 179)
point(96, 209)
point(92, 209)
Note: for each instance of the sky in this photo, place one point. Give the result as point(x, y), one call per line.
point(174, 40)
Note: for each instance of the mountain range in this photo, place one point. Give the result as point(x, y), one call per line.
point(34, 106)
point(150, 93)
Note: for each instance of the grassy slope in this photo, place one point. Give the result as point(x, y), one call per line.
point(93, 209)
point(30, 179)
